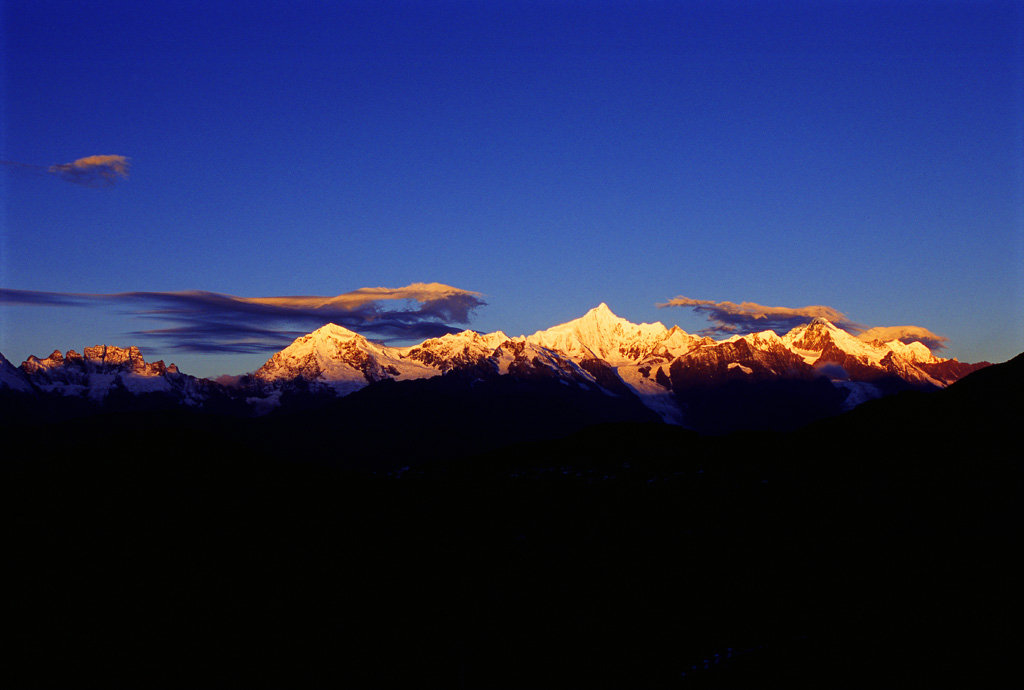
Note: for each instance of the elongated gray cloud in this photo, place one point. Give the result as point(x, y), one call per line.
point(729, 318)
point(91, 171)
point(209, 322)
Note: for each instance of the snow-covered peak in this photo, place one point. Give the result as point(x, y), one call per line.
point(340, 359)
point(822, 338)
point(814, 336)
point(332, 330)
point(455, 349)
point(821, 342)
point(491, 340)
point(765, 340)
point(601, 311)
point(601, 334)
point(915, 351)
point(600, 317)
point(331, 352)
point(675, 343)
point(816, 328)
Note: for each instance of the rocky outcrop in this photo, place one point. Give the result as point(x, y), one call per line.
point(104, 370)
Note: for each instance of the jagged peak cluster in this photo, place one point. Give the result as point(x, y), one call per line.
point(99, 359)
point(98, 371)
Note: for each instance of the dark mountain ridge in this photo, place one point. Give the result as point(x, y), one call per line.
point(168, 548)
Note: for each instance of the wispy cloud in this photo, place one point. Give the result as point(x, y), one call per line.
point(91, 171)
point(729, 318)
point(209, 322)
point(443, 302)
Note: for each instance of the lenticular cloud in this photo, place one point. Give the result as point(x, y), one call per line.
point(436, 300)
point(729, 318)
point(197, 321)
point(906, 334)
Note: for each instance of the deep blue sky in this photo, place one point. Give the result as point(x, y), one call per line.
point(550, 155)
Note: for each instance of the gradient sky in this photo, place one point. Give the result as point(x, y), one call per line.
point(867, 156)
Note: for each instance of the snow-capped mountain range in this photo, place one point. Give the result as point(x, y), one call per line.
point(665, 368)
point(100, 371)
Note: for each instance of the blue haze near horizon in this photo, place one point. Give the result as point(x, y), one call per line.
point(868, 156)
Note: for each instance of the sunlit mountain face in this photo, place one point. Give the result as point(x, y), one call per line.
point(760, 380)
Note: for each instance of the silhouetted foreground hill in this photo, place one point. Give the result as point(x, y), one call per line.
point(168, 550)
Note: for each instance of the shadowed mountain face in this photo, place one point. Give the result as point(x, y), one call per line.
point(170, 549)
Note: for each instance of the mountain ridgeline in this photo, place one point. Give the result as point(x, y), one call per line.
point(481, 511)
point(607, 366)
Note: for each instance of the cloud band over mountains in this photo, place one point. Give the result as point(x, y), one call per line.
point(729, 318)
point(209, 322)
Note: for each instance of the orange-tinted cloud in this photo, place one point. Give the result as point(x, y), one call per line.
point(729, 318)
point(197, 321)
point(457, 303)
point(905, 334)
point(92, 171)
